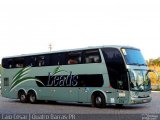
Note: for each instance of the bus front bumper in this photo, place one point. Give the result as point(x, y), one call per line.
point(140, 100)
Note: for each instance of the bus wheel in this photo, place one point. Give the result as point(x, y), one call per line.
point(32, 97)
point(22, 96)
point(98, 100)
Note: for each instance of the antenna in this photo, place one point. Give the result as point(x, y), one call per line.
point(50, 47)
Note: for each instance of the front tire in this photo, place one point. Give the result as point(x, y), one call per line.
point(98, 100)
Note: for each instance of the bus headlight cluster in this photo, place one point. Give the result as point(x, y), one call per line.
point(134, 95)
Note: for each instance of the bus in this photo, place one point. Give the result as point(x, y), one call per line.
point(98, 76)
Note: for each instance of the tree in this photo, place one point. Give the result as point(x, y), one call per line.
point(154, 65)
point(156, 62)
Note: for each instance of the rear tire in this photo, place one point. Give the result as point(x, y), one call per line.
point(32, 97)
point(98, 100)
point(22, 96)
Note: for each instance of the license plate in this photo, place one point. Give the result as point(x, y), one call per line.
point(145, 101)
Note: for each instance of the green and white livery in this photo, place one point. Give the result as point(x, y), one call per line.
point(102, 75)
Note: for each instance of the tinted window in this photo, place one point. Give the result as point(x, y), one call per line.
point(30, 61)
point(116, 68)
point(19, 62)
point(39, 60)
point(8, 63)
point(55, 59)
point(92, 56)
point(133, 57)
point(5, 63)
point(74, 57)
point(62, 58)
point(88, 80)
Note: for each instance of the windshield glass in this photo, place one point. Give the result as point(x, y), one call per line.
point(139, 81)
point(133, 56)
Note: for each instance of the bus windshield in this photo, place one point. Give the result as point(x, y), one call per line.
point(133, 57)
point(139, 81)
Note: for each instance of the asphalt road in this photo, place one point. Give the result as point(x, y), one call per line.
point(81, 111)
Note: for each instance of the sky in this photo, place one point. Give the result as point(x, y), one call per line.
point(29, 26)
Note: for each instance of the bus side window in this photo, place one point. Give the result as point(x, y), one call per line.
point(92, 56)
point(72, 61)
point(30, 61)
point(54, 59)
point(10, 63)
point(19, 62)
point(62, 58)
point(5, 63)
point(39, 61)
point(74, 57)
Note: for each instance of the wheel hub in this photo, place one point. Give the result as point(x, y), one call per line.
point(23, 97)
point(98, 100)
point(32, 98)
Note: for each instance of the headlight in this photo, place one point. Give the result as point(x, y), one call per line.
point(134, 94)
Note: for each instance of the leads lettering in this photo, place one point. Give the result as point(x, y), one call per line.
point(62, 80)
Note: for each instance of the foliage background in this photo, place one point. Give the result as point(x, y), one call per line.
point(154, 64)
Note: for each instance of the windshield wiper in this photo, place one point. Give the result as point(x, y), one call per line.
point(142, 64)
point(133, 64)
point(138, 64)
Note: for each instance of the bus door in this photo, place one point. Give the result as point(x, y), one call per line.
point(119, 82)
point(122, 93)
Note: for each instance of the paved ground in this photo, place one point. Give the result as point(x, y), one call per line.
point(8, 106)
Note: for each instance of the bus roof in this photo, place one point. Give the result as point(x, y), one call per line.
point(76, 49)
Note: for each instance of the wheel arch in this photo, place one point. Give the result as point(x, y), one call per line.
point(32, 90)
point(96, 92)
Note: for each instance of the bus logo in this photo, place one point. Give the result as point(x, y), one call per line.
point(20, 78)
point(52, 80)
